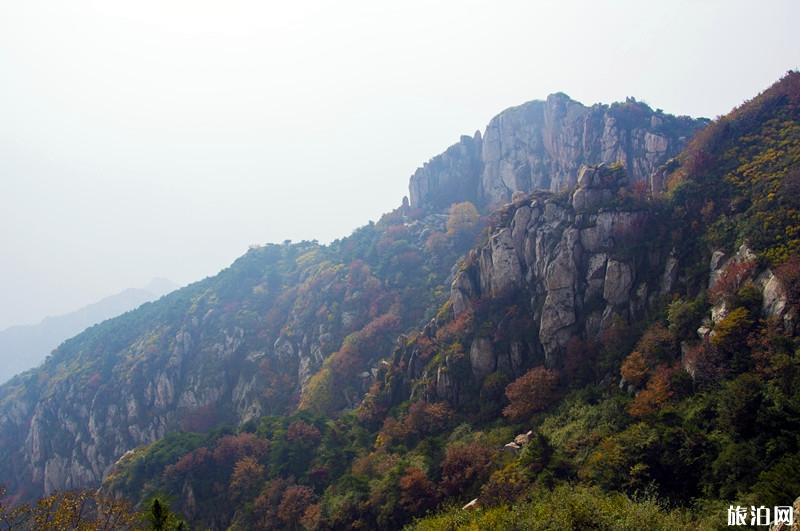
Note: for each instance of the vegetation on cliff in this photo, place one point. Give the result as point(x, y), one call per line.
point(612, 359)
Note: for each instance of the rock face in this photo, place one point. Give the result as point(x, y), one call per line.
point(540, 145)
point(70, 437)
point(454, 173)
point(572, 261)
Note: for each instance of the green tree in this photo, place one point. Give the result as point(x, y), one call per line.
point(463, 222)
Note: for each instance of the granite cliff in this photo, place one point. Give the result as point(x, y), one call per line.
point(540, 145)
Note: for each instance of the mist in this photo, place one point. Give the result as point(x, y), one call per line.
point(160, 139)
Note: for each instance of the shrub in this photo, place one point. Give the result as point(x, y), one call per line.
point(732, 277)
point(730, 338)
point(684, 316)
point(294, 503)
point(530, 393)
point(789, 275)
point(463, 222)
point(634, 369)
point(417, 492)
point(464, 467)
point(657, 393)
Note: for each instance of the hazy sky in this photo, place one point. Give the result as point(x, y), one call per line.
point(161, 138)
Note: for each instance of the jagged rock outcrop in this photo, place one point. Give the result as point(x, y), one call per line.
point(774, 302)
point(452, 174)
point(574, 261)
point(540, 145)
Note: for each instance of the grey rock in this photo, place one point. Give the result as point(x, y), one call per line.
point(540, 145)
point(618, 281)
point(481, 358)
point(670, 275)
point(462, 292)
point(506, 272)
point(450, 177)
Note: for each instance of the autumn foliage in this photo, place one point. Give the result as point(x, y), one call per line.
point(422, 419)
point(634, 369)
point(417, 492)
point(464, 466)
point(731, 279)
point(657, 393)
point(463, 222)
point(530, 393)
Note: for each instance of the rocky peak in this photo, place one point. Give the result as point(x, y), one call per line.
point(454, 173)
point(571, 262)
point(540, 145)
point(598, 185)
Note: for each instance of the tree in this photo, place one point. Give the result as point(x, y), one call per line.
point(655, 395)
point(530, 393)
point(789, 273)
point(462, 222)
point(417, 493)
point(246, 477)
point(465, 467)
point(303, 433)
point(87, 510)
point(161, 518)
point(730, 280)
point(730, 338)
point(294, 503)
point(634, 369)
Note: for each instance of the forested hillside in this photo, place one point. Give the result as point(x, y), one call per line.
point(622, 349)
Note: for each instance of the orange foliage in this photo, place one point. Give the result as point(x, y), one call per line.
point(463, 220)
point(655, 395)
point(359, 347)
point(426, 418)
point(436, 243)
point(417, 492)
point(294, 503)
point(634, 369)
point(247, 474)
point(456, 328)
point(730, 280)
point(231, 448)
point(465, 465)
point(530, 393)
point(423, 418)
point(656, 344)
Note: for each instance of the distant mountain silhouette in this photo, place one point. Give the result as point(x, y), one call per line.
point(24, 347)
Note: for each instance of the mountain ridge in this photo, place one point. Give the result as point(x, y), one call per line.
point(618, 337)
point(22, 347)
point(540, 145)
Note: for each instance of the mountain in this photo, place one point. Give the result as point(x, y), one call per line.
point(618, 348)
point(540, 145)
point(25, 347)
point(272, 331)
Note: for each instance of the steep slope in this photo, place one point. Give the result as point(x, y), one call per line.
point(540, 145)
point(595, 346)
point(284, 326)
point(555, 272)
point(24, 347)
point(221, 351)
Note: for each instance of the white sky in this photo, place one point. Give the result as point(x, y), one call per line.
point(161, 138)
